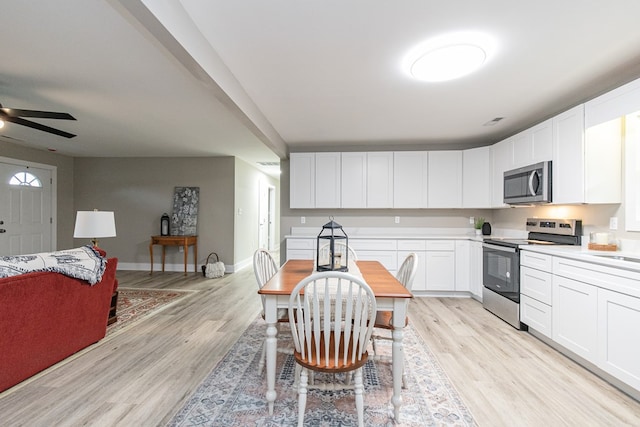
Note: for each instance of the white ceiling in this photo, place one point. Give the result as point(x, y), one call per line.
point(256, 78)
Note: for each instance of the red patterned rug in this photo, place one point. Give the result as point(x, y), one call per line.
point(137, 304)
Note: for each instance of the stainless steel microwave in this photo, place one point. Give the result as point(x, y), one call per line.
point(528, 185)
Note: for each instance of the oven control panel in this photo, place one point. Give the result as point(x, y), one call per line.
point(567, 227)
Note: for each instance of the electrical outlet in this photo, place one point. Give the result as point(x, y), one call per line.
point(472, 220)
point(397, 220)
point(303, 220)
point(180, 248)
point(613, 223)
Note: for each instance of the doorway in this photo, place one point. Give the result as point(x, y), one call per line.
point(27, 204)
point(267, 217)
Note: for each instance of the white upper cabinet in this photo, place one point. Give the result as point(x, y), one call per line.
point(476, 178)
point(327, 180)
point(445, 179)
point(379, 180)
point(501, 161)
point(302, 171)
point(410, 177)
point(587, 164)
point(612, 105)
point(367, 180)
point(354, 180)
point(533, 145)
point(568, 160)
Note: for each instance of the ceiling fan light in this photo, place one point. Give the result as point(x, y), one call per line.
point(1, 123)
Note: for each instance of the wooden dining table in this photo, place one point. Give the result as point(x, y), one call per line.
point(390, 295)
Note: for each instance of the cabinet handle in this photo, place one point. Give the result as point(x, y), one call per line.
point(2, 230)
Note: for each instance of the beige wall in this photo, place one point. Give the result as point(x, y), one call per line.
point(140, 190)
point(64, 186)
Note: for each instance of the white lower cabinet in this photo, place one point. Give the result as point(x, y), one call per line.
point(536, 315)
point(476, 270)
point(301, 248)
point(405, 247)
point(536, 291)
point(382, 250)
point(619, 336)
point(441, 270)
point(463, 267)
point(574, 319)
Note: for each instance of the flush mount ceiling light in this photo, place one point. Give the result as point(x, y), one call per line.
point(449, 56)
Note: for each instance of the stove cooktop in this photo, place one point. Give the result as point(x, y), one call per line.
point(545, 232)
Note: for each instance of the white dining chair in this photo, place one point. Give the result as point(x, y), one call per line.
point(331, 329)
point(406, 274)
point(264, 267)
point(340, 248)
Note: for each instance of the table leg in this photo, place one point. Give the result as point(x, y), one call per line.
point(195, 257)
point(151, 256)
point(271, 345)
point(186, 254)
point(398, 362)
point(163, 253)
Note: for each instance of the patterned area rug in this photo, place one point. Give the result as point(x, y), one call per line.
point(137, 304)
point(233, 393)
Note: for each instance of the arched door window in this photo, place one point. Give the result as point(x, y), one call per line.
point(26, 179)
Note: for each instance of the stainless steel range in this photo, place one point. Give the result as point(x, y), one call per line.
point(501, 263)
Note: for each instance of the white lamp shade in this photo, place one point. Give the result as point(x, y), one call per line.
point(94, 224)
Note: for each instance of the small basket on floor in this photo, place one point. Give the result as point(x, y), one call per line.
point(213, 269)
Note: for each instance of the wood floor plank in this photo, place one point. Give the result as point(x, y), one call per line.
point(143, 375)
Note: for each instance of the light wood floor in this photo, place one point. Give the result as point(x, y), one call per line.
point(142, 376)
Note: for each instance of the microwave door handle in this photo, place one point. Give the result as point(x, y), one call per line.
point(532, 190)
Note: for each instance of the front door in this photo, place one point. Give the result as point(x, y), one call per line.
point(25, 209)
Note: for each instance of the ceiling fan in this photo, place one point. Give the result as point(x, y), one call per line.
point(14, 115)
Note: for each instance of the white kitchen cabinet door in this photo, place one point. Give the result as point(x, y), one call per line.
point(354, 180)
point(476, 270)
point(533, 145)
point(536, 315)
point(536, 284)
point(619, 336)
point(410, 175)
point(327, 180)
point(420, 280)
point(568, 159)
point(541, 142)
point(441, 271)
point(587, 163)
point(476, 178)
point(301, 248)
point(574, 317)
point(612, 105)
point(380, 180)
point(463, 266)
point(501, 161)
point(445, 179)
point(302, 175)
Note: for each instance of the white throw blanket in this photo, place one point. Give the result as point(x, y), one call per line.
point(81, 263)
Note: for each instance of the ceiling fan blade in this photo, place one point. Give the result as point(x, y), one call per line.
point(38, 126)
point(15, 112)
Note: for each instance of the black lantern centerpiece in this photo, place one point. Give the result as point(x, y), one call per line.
point(164, 225)
point(336, 240)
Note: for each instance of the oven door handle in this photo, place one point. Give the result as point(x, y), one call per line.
point(500, 248)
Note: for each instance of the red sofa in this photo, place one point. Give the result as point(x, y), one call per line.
point(46, 317)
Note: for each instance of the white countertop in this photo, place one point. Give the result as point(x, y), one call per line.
point(582, 253)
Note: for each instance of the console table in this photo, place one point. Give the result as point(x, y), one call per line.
point(184, 241)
